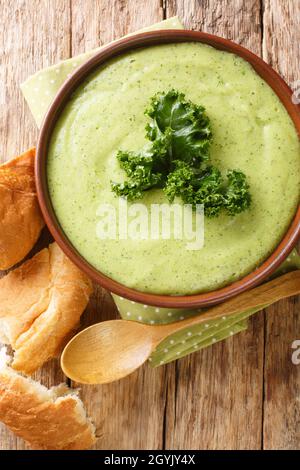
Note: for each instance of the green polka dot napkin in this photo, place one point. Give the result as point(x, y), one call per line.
point(39, 91)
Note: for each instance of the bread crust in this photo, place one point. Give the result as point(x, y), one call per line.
point(20, 217)
point(41, 302)
point(41, 418)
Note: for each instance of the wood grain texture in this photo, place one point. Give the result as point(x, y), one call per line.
point(224, 396)
point(281, 38)
point(281, 429)
point(26, 42)
point(215, 396)
point(99, 22)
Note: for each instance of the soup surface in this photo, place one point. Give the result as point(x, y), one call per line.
point(252, 132)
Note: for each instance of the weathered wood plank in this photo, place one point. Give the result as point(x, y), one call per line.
point(32, 35)
point(281, 430)
point(238, 20)
point(216, 397)
point(128, 414)
point(281, 37)
point(99, 22)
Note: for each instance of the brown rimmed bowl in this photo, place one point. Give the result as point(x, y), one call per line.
point(122, 46)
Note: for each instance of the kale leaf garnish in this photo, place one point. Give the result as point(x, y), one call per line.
point(177, 160)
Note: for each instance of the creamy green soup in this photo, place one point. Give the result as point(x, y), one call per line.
point(252, 132)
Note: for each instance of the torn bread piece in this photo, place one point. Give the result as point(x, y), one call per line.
point(41, 302)
point(53, 419)
point(20, 217)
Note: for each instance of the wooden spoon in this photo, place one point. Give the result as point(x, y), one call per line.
point(111, 350)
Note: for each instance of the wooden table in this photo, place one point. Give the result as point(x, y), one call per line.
point(243, 393)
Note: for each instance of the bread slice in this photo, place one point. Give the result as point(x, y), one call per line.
point(53, 419)
point(20, 217)
point(41, 302)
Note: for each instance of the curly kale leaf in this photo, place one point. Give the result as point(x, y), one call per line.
point(140, 169)
point(177, 160)
point(196, 187)
point(186, 125)
point(237, 196)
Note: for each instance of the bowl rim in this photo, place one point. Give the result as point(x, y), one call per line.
point(119, 47)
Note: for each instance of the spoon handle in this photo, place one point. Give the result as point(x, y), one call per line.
point(284, 286)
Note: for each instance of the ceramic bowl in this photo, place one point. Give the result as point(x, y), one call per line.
point(120, 47)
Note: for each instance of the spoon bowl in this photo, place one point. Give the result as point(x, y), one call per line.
point(107, 351)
